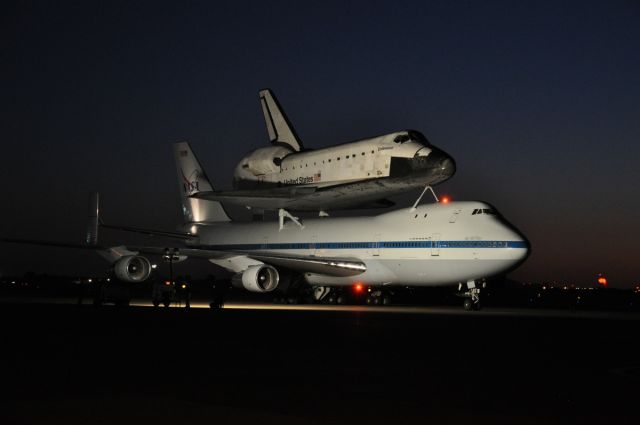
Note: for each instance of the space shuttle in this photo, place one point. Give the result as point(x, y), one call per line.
point(359, 174)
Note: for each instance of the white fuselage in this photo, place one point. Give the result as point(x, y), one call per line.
point(434, 244)
point(347, 163)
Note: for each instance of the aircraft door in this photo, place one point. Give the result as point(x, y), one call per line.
point(312, 245)
point(375, 249)
point(435, 245)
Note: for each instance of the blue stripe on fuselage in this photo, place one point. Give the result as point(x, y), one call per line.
point(369, 245)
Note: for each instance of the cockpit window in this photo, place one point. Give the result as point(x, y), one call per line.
point(416, 136)
point(483, 211)
point(411, 136)
point(401, 138)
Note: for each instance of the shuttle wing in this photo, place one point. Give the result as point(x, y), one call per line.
point(272, 198)
point(368, 194)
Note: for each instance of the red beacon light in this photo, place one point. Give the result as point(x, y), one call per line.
point(445, 200)
point(602, 280)
point(358, 287)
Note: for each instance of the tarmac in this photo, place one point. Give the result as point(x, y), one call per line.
point(261, 363)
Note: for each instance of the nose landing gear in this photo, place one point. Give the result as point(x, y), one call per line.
point(378, 297)
point(471, 295)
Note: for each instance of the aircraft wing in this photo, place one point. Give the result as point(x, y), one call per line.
point(236, 261)
point(52, 243)
point(296, 198)
point(272, 198)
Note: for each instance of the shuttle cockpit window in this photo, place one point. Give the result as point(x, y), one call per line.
point(402, 138)
point(416, 136)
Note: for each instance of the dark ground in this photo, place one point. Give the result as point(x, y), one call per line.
point(66, 364)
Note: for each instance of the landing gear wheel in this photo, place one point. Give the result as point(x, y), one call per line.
point(468, 304)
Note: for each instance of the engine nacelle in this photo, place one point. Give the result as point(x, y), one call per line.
point(132, 268)
point(262, 278)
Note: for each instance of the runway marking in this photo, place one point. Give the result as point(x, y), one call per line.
point(457, 311)
point(364, 309)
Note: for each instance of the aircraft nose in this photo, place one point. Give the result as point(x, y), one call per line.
point(440, 163)
point(520, 246)
point(526, 249)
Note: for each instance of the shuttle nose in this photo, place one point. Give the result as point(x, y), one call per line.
point(430, 164)
point(440, 163)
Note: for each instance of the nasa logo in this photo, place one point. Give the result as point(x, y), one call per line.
point(191, 187)
point(190, 184)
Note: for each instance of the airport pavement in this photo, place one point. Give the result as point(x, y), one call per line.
point(72, 364)
point(394, 309)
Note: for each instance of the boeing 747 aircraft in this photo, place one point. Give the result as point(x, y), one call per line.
point(359, 174)
point(428, 245)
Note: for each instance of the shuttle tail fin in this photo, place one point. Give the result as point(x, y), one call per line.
point(191, 180)
point(278, 126)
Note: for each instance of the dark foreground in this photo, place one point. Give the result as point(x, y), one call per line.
point(66, 364)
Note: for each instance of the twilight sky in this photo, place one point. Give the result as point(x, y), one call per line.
point(538, 102)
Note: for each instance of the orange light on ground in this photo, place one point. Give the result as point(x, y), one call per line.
point(445, 200)
point(602, 280)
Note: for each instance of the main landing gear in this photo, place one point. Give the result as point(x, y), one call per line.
point(328, 295)
point(471, 295)
point(378, 297)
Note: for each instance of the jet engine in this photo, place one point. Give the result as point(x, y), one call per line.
point(132, 268)
point(262, 278)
